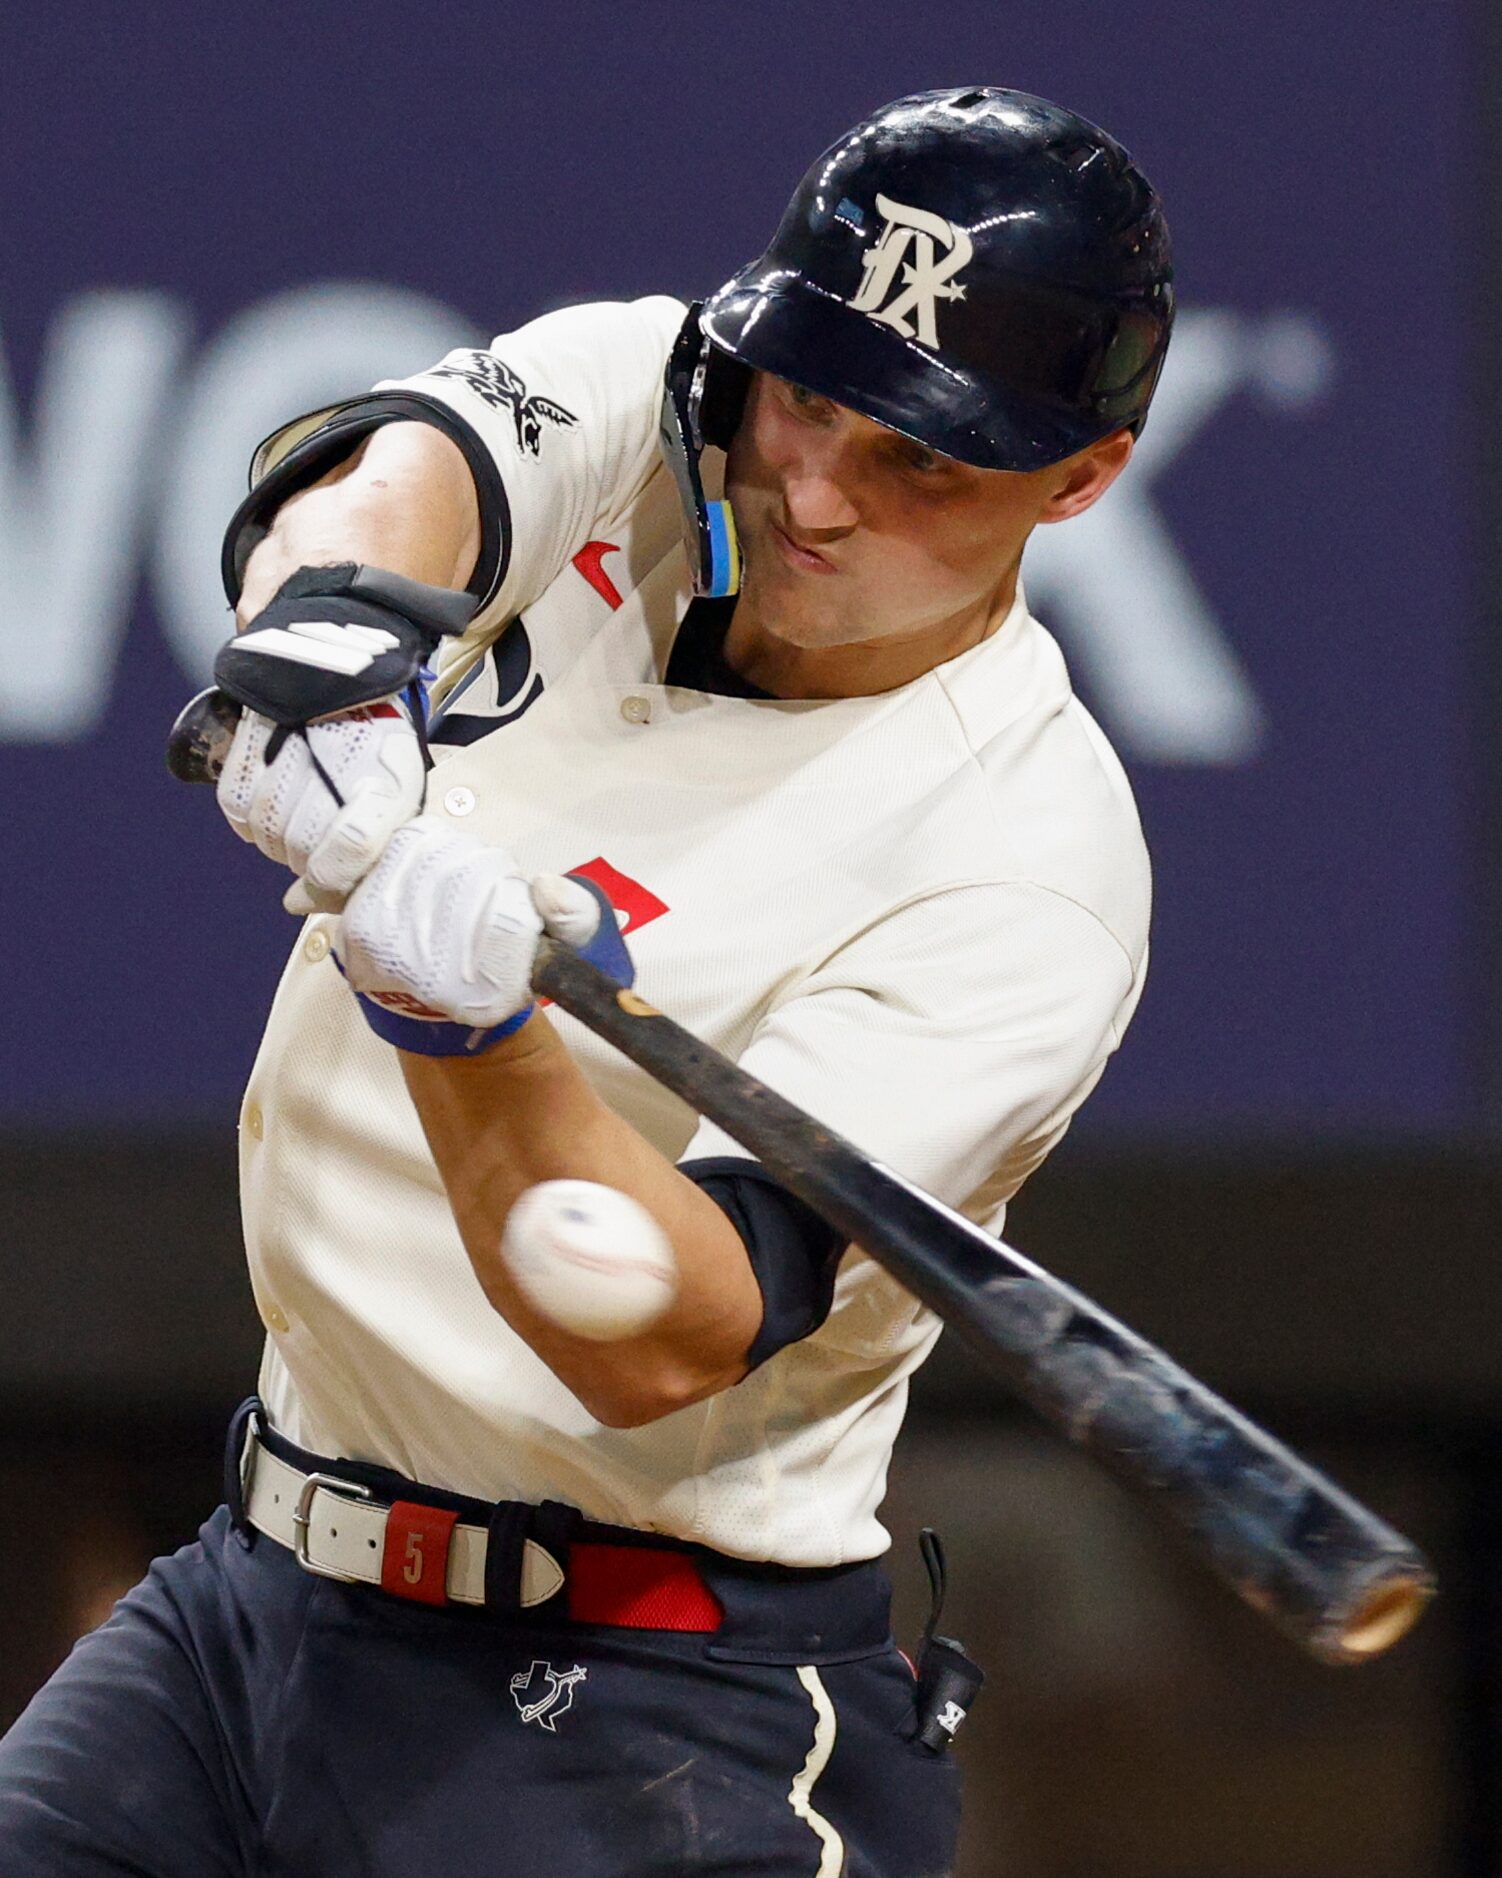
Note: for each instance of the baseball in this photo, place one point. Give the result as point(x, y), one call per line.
point(590, 1259)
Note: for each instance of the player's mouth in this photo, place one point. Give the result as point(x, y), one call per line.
point(805, 559)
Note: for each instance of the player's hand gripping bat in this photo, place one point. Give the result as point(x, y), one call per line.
point(1305, 1554)
point(1309, 1557)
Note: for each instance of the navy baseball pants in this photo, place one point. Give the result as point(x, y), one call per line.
point(237, 1716)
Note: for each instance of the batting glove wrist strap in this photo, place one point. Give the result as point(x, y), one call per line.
point(420, 1036)
point(333, 639)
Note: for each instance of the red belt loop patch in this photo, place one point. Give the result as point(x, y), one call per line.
point(415, 1562)
point(639, 1588)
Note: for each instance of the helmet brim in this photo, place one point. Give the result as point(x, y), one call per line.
point(774, 320)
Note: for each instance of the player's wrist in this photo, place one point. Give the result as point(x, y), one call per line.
point(514, 1050)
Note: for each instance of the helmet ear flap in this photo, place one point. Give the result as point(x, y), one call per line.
point(704, 393)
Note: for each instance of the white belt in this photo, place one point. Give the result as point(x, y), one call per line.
point(337, 1531)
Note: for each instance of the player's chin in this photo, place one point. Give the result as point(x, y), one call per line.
point(795, 625)
point(792, 610)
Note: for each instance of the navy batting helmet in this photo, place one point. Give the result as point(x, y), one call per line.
point(978, 269)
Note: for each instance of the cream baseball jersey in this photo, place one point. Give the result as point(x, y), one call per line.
point(921, 915)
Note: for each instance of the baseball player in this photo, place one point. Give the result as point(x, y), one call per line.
point(737, 690)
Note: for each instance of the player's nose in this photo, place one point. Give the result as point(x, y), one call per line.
point(816, 492)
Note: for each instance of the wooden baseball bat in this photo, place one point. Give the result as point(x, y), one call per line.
point(1315, 1561)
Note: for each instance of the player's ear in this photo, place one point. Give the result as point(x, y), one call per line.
point(1086, 476)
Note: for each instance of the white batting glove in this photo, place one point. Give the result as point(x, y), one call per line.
point(373, 759)
point(442, 928)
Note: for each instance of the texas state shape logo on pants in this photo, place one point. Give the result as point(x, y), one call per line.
point(542, 1693)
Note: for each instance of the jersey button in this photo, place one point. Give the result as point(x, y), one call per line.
point(255, 1125)
point(316, 945)
point(276, 1317)
point(459, 801)
point(636, 710)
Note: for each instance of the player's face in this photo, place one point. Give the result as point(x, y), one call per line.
point(852, 534)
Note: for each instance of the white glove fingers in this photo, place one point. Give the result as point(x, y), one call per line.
point(424, 882)
point(351, 842)
point(306, 827)
point(569, 911)
point(267, 824)
point(277, 795)
point(505, 940)
point(328, 819)
point(301, 899)
point(243, 767)
point(375, 909)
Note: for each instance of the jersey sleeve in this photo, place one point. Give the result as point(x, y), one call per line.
point(566, 410)
point(953, 1041)
point(557, 420)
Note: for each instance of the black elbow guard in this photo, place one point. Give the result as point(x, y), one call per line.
point(793, 1251)
point(297, 455)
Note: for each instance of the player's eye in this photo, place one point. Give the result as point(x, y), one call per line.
point(809, 403)
point(920, 460)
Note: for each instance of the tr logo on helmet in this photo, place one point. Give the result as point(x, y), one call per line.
point(938, 251)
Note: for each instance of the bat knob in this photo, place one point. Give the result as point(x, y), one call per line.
point(200, 739)
point(1387, 1611)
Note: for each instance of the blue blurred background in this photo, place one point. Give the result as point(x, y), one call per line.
point(1285, 620)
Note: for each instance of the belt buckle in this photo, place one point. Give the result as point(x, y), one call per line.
point(302, 1515)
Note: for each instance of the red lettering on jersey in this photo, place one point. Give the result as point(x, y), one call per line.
point(415, 1561)
point(588, 560)
point(639, 904)
point(404, 1004)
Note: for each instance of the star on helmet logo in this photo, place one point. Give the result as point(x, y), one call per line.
point(930, 251)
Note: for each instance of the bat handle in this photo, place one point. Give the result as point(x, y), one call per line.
point(199, 742)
